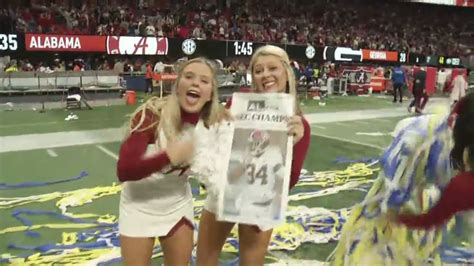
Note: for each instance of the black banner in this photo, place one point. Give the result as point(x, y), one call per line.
point(414, 59)
point(224, 49)
point(13, 44)
point(448, 61)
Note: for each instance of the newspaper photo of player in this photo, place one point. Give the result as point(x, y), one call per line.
point(255, 176)
point(257, 162)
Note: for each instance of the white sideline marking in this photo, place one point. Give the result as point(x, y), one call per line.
point(59, 139)
point(320, 127)
point(362, 122)
point(342, 124)
point(350, 141)
point(383, 120)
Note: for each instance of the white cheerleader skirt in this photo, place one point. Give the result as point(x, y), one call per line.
point(134, 223)
point(152, 207)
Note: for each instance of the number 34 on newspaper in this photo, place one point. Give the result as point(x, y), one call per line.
point(258, 164)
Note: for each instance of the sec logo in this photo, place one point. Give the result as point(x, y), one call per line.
point(188, 46)
point(310, 52)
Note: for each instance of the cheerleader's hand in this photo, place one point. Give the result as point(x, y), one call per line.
point(295, 128)
point(180, 152)
point(224, 114)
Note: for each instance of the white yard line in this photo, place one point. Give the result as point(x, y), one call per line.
point(374, 134)
point(51, 153)
point(107, 151)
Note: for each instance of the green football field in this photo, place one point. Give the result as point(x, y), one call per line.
point(31, 220)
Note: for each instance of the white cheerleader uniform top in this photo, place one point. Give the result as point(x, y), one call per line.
point(152, 206)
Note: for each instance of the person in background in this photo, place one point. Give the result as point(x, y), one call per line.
point(12, 67)
point(149, 78)
point(316, 74)
point(459, 88)
point(419, 91)
point(308, 72)
point(399, 81)
point(118, 66)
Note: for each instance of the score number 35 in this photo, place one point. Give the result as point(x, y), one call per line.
point(8, 42)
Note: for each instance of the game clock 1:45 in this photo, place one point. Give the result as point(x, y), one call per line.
point(243, 48)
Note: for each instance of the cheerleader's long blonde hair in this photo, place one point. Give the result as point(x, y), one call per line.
point(285, 60)
point(168, 111)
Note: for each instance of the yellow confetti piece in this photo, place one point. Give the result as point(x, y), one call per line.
point(69, 238)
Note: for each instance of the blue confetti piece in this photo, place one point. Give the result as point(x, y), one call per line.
point(25, 221)
point(40, 184)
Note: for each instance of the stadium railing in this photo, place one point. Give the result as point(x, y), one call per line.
point(23, 83)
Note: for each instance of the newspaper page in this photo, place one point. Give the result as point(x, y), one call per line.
point(258, 164)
